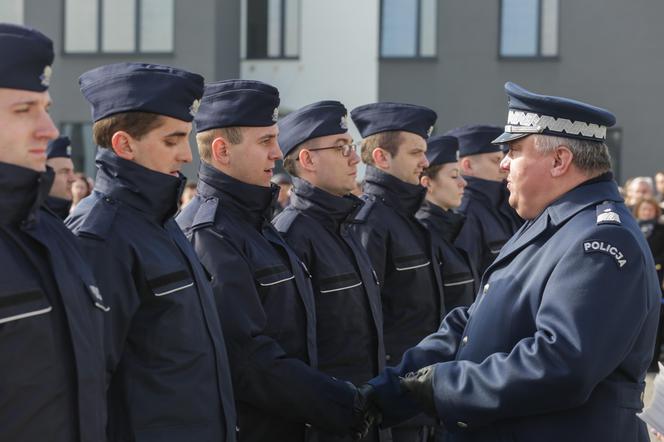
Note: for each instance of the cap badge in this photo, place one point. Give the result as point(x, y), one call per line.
point(275, 114)
point(45, 77)
point(68, 150)
point(429, 131)
point(344, 122)
point(193, 109)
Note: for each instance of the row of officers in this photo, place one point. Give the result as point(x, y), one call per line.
point(218, 323)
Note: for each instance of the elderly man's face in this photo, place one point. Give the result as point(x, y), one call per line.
point(528, 177)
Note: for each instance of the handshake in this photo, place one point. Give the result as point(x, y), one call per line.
point(367, 409)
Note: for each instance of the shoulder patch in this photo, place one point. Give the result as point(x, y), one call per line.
point(597, 246)
point(362, 214)
point(606, 214)
point(206, 213)
point(99, 219)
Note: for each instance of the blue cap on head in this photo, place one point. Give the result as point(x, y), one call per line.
point(141, 87)
point(442, 149)
point(312, 121)
point(60, 147)
point(27, 56)
point(476, 139)
point(232, 103)
point(374, 118)
point(531, 113)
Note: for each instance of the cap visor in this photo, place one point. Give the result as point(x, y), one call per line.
point(506, 137)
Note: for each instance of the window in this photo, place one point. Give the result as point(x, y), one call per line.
point(119, 26)
point(11, 11)
point(529, 28)
point(272, 28)
point(408, 28)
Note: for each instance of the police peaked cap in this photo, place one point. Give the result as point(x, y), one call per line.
point(312, 121)
point(442, 149)
point(374, 118)
point(476, 139)
point(59, 148)
point(26, 57)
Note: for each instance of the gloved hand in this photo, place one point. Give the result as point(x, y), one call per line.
point(365, 412)
point(419, 386)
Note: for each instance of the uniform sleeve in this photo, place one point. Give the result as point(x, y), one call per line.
point(115, 280)
point(374, 241)
point(263, 375)
point(592, 313)
point(441, 346)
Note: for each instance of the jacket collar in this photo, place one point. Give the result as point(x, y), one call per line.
point(59, 206)
point(444, 223)
point(493, 191)
point(22, 193)
point(326, 208)
point(155, 194)
point(404, 197)
point(251, 202)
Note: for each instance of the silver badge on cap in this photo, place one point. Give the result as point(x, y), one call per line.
point(68, 150)
point(275, 114)
point(45, 77)
point(193, 109)
point(344, 122)
point(429, 131)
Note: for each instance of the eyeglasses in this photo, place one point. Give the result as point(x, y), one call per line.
point(345, 149)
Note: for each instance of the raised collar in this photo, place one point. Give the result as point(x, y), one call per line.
point(593, 191)
point(402, 196)
point(59, 206)
point(493, 191)
point(321, 205)
point(251, 202)
point(444, 223)
point(154, 194)
point(22, 193)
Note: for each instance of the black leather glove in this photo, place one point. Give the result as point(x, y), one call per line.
point(419, 386)
point(365, 412)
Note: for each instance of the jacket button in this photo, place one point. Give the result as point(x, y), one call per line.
point(486, 288)
point(464, 341)
point(388, 357)
point(462, 424)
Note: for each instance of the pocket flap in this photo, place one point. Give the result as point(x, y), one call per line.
point(411, 262)
point(19, 301)
point(170, 283)
point(273, 275)
point(339, 282)
point(458, 279)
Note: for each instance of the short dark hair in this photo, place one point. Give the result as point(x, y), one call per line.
point(204, 140)
point(388, 141)
point(290, 161)
point(136, 124)
point(432, 171)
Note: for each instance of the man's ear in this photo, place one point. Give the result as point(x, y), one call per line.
point(562, 161)
point(121, 143)
point(220, 150)
point(425, 181)
point(381, 158)
point(306, 160)
point(466, 165)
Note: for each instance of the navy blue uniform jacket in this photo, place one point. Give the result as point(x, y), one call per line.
point(557, 345)
point(401, 252)
point(51, 319)
point(267, 310)
point(168, 371)
point(490, 221)
point(349, 320)
point(460, 280)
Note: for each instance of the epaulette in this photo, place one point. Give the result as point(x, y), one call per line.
point(285, 220)
point(99, 218)
point(363, 214)
point(606, 214)
point(206, 213)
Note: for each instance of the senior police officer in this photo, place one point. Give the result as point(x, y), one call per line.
point(557, 345)
point(263, 291)
point(445, 187)
point(168, 371)
point(399, 247)
point(490, 221)
point(58, 158)
point(51, 312)
point(320, 155)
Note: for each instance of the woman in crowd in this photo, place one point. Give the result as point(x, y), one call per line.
point(79, 189)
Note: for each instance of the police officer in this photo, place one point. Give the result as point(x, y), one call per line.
point(490, 221)
point(51, 311)
point(263, 291)
point(58, 158)
point(399, 247)
point(557, 345)
point(167, 367)
point(445, 187)
point(320, 155)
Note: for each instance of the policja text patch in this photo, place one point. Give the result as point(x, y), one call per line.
point(591, 246)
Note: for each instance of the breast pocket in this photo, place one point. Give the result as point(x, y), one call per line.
point(22, 300)
point(170, 284)
point(339, 283)
point(411, 262)
point(273, 275)
point(457, 279)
